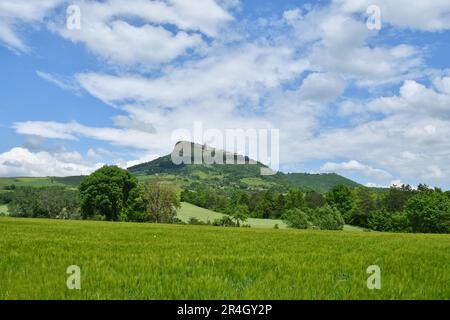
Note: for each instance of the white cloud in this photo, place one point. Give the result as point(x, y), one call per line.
point(63, 83)
point(16, 12)
point(109, 29)
point(229, 74)
point(421, 15)
point(20, 162)
point(73, 131)
point(321, 87)
point(417, 98)
point(340, 43)
point(355, 166)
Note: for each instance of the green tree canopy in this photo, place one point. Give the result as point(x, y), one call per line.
point(161, 203)
point(429, 212)
point(341, 198)
point(106, 192)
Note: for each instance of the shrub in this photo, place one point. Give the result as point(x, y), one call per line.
point(196, 222)
point(429, 212)
point(327, 218)
point(297, 219)
point(383, 220)
point(225, 221)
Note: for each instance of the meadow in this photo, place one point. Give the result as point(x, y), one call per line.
point(3, 209)
point(149, 261)
point(188, 211)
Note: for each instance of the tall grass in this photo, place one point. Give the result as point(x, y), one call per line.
point(145, 261)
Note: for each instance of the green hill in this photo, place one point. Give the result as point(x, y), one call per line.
point(6, 183)
point(234, 176)
point(317, 182)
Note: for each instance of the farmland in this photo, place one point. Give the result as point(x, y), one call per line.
point(188, 211)
point(150, 261)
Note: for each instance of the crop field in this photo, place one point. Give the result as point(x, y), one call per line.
point(188, 211)
point(148, 261)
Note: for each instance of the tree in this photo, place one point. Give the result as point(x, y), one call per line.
point(106, 193)
point(340, 197)
point(240, 214)
point(295, 199)
point(385, 221)
point(296, 218)
point(429, 212)
point(397, 197)
point(314, 200)
point(364, 205)
point(161, 202)
point(326, 218)
point(45, 202)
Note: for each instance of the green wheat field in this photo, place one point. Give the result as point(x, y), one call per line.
point(148, 261)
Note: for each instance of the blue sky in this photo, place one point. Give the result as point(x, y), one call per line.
point(372, 105)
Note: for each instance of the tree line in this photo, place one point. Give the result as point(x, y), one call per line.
point(110, 194)
point(113, 194)
point(398, 209)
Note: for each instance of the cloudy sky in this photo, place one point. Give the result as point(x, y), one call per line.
point(373, 105)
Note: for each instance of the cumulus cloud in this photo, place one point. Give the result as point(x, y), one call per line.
point(229, 73)
point(423, 15)
point(20, 162)
point(110, 30)
point(393, 123)
point(417, 98)
point(322, 87)
point(355, 166)
point(338, 42)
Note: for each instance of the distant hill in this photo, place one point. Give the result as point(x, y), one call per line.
point(237, 176)
point(318, 182)
point(7, 183)
point(245, 176)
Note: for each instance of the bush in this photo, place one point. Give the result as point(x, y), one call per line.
point(225, 221)
point(297, 219)
point(429, 212)
point(6, 197)
point(196, 222)
point(324, 218)
point(383, 220)
point(327, 218)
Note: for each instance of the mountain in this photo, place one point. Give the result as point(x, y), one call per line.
point(246, 176)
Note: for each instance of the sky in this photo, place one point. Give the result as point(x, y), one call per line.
point(352, 89)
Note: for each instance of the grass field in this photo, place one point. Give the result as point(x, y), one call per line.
point(188, 211)
point(3, 209)
point(147, 261)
